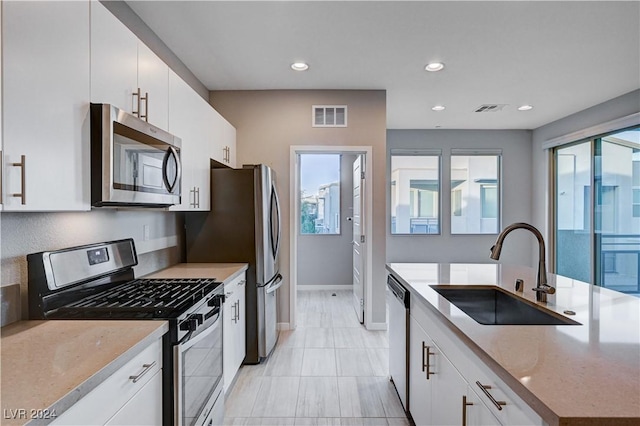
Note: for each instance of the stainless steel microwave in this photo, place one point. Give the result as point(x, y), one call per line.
point(133, 163)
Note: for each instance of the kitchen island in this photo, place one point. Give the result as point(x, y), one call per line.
point(585, 374)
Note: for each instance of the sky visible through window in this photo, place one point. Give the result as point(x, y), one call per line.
point(317, 170)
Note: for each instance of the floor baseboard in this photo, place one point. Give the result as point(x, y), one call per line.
point(377, 326)
point(324, 287)
point(283, 326)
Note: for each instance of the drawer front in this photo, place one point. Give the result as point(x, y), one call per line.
point(107, 398)
point(493, 392)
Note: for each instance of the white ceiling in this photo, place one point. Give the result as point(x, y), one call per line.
point(561, 57)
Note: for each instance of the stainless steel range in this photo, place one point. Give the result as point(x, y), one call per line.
point(97, 282)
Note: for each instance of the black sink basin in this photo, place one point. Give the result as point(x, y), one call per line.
point(493, 306)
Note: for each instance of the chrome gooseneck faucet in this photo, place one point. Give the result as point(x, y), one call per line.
point(542, 289)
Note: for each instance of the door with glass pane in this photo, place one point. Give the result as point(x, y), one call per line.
point(597, 211)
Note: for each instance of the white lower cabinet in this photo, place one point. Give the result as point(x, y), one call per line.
point(450, 385)
point(420, 384)
point(143, 408)
point(132, 395)
point(233, 329)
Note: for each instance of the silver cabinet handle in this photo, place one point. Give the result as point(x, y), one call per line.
point(144, 98)
point(228, 294)
point(192, 191)
point(243, 282)
point(197, 197)
point(136, 112)
point(465, 404)
point(237, 310)
point(23, 172)
point(233, 318)
point(146, 367)
point(426, 365)
point(485, 388)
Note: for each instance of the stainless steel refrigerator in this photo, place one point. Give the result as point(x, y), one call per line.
point(244, 226)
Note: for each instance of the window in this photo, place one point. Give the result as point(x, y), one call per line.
point(415, 192)
point(475, 192)
point(319, 193)
point(597, 210)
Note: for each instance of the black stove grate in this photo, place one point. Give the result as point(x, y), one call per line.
point(155, 298)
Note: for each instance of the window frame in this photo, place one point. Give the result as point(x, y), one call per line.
point(480, 152)
point(399, 152)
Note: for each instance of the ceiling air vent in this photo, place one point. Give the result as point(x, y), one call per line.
point(329, 116)
point(490, 108)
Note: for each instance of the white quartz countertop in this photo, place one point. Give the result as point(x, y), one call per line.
point(223, 272)
point(569, 374)
point(49, 365)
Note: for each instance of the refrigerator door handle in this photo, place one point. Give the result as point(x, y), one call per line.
point(275, 244)
point(275, 284)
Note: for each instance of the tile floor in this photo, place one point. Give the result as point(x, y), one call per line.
point(329, 371)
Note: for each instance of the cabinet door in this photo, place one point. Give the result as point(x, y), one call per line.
point(145, 408)
point(46, 106)
point(448, 389)
point(188, 119)
point(153, 81)
point(182, 124)
point(239, 336)
point(477, 414)
point(114, 60)
point(228, 330)
point(229, 138)
point(420, 384)
point(233, 329)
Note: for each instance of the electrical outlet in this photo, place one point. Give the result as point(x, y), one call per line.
point(145, 232)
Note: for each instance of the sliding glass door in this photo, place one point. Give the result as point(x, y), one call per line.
point(597, 211)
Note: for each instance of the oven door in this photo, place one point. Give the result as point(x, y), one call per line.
point(198, 375)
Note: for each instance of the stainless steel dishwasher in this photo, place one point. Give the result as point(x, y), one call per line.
point(398, 302)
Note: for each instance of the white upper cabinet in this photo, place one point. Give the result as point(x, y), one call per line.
point(121, 64)
point(114, 60)
point(153, 81)
point(188, 120)
point(224, 140)
point(45, 106)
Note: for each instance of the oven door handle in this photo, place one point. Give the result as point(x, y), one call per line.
point(184, 343)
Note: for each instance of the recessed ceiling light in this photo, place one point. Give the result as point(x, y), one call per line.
point(525, 107)
point(299, 66)
point(434, 66)
point(438, 108)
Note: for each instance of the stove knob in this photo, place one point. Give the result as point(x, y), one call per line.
point(190, 324)
point(216, 300)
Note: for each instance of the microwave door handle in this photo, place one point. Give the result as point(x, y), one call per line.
point(171, 151)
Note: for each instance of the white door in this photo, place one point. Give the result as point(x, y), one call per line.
point(358, 238)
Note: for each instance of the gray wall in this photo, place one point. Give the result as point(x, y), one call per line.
point(516, 198)
point(607, 111)
point(269, 122)
point(327, 259)
point(24, 233)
